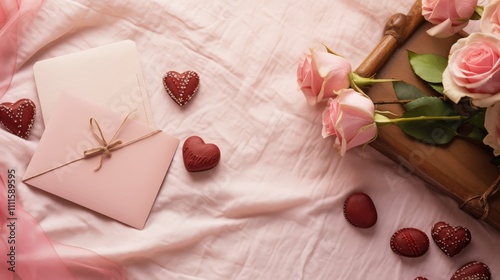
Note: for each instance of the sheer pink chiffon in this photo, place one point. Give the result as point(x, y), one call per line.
point(27, 253)
point(12, 14)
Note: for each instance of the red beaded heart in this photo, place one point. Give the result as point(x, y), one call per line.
point(451, 240)
point(472, 270)
point(18, 118)
point(181, 87)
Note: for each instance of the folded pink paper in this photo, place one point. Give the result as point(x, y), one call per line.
point(78, 159)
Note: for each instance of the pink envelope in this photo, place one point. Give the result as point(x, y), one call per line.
point(127, 183)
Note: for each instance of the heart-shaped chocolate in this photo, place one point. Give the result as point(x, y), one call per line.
point(409, 242)
point(181, 87)
point(472, 270)
point(360, 211)
point(199, 156)
point(451, 240)
point(18, 118)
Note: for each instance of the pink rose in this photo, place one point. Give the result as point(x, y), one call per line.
point(474, 70)
point(449, 16)
point(350, 118)
point(321, 74)
point(490, 20)
point(492, 125)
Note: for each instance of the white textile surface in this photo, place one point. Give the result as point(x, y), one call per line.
point(272, 208)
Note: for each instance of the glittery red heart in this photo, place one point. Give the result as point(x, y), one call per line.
point(18, 118)
point(199, 156)
point(451, 240)
point(181, 87)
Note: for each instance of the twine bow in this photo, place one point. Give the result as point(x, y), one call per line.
point(106, 147)
point(483, 199)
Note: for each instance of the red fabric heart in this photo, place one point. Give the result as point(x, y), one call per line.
point(18, 118)
point(451, 240)
point(181, 87)
point(472, 270)
point(199, 156)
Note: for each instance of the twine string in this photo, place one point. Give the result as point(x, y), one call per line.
point(105, 147)
point(484, 198)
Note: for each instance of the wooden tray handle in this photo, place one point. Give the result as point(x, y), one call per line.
point(397, 29)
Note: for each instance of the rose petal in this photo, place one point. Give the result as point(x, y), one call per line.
point(491, 123)
point(445, 29)
point(357, 101)
point(354, 120)
point(334, 70)
point(329, 116)
point(465, 9)
point(325, 62)
point(482, 102)
point(364, 135)
point(490, 20)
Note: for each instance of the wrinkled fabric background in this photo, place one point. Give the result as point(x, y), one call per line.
point(272, 208)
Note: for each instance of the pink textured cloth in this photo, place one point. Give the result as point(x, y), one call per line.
point(28, 253)
point(15, 15)
point(272, 208)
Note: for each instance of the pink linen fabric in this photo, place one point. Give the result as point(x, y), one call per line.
point(15, 18)
point(272, 208)
point(31, 255)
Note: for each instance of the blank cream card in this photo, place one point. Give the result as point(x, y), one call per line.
point(109, 75)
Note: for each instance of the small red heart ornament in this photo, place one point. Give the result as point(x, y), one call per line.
point(18, 118)
point(181, 87)
point(198, 155)
point(451, 240)
point(472, 270)
point(409, 242)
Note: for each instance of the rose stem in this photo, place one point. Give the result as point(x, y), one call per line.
point(402, 101)
point(426, 118)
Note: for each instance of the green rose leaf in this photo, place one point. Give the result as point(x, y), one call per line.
point(435, 106)
point(429, 67)
point(437, 87)
point(478, 119)
point(406, 91)
point(478, 132)
point(430, 131)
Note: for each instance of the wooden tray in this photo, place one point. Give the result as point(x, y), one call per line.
point(461, 169)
